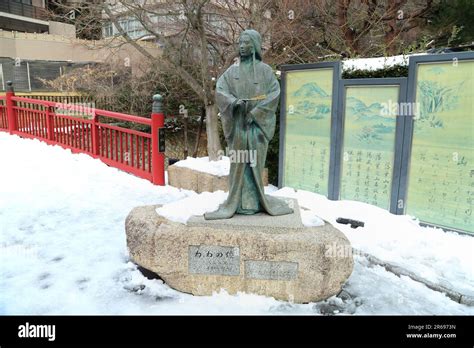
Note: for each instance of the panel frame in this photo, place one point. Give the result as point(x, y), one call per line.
point(413, 63)
point(336, 78)
point(404, 126)
point(401, 82)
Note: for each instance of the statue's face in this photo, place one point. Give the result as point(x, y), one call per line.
point(245, 46)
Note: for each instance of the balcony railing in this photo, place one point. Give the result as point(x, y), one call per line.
point(20, 9)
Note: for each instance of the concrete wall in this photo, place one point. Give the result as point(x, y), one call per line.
point(60, 48)
point(38, 3)
point(64, 29)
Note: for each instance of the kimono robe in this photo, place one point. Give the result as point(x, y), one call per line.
point(248, 80)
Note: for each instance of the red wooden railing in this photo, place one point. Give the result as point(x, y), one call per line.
point(130, 150)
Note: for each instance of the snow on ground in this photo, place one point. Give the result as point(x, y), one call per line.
point(63, 248)
point(446, 258)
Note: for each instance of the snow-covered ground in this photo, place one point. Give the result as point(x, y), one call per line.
point(445, 258)
point(63, 249)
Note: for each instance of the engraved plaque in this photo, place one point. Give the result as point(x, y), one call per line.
point(214, 259)
point(271, 270)
point(161, 140)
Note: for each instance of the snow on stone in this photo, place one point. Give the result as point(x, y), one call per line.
point(202, 164)
point(309, 218)
point(200, 203)
point(375, 63)
point(63, 248)
point(445, 258)
point(196, 204)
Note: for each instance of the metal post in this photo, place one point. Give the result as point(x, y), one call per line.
point(28, 73)
point(3, 79)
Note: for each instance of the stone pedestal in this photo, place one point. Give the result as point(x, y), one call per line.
point(190, 179)
point(260, 254)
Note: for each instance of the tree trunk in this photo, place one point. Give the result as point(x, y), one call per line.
point(198, 136)
point(212, 131)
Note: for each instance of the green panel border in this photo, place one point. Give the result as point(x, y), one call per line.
point(336, 66)
point(399, 133)
point(409, 126)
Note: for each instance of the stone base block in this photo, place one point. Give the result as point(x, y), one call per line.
point(271, 256)
point(190, 179)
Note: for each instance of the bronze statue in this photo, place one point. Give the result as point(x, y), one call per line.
point(247, 95)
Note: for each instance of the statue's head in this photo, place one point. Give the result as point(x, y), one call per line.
point(250, 42)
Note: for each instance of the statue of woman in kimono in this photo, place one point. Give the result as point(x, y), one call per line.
point(247, 96)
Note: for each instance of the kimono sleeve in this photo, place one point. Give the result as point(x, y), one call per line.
point(225, 102)
point(264, 112)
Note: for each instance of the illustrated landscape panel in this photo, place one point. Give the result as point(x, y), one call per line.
point(369, 144)
point(441, 177)
point(308, 129)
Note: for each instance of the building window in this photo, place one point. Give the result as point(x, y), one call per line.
point(107, 30)
point(26, 2)
point(131, 26)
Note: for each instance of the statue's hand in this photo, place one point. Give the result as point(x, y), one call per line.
point(239, 104)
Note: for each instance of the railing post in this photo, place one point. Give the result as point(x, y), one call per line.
point(50, 123)
point(95, 136)
point(12, 125)
point(157, 141)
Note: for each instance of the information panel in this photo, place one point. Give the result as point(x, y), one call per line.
point(369, 143)
point(441, 172)
point(308, 129)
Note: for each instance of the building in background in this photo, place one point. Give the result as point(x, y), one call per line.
point(31, 16)
point(32, 47)
point(165, 18)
